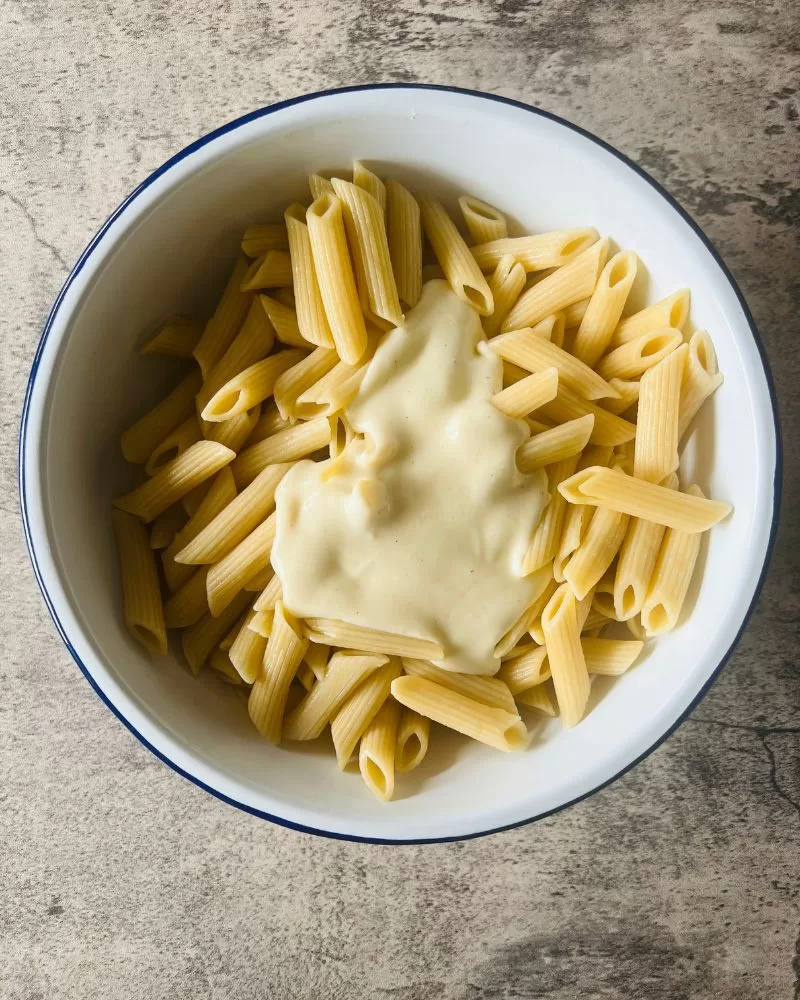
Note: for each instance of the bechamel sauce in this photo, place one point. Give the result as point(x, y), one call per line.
point(418, 527)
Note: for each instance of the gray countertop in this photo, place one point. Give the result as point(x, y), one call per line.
point(120, 879)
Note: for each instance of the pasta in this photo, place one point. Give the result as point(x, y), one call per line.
point(556, 444)
point(350, 722)
point(459, 266)
point(284, 322)
point(376, 751)
point(565, 655)
point(636, 356)
point(545, 539)
point(364, 178)
point(247, 650)
point(258, 240)
point(200, 639)
point(528, 394)
point(234, 432)
point(483, 222)
point(413, 735)
point(223, 326)
point(605, 307)
point(250, 387)
point(311, 319)
point(608, 429)
point(284, 446)
point(228, 577)
point(372, 641)
point(404, 232)
point(166, 526)
point(700, 379)
point(505, 284)
point(596, 550)
point(283, 656)
point(177, 338)
point(139, 441)
point(656, 450)
point(673, 311)
point(537, 253)
point(487, 690)
point(141, 596)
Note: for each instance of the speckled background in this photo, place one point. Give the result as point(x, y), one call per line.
point(120, 879)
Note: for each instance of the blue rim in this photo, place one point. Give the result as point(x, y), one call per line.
point(262, 112)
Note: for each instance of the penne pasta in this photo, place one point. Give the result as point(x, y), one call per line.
point(221, 493)
point(603, 596)
point(233, 433)
point(565, 655)
point(627, 395)
point(166, 526)
point(262, 622)
point(376, 751)
point(246, 652)
point(174, 444)
point(293, 383)
point(221, 663)
point(413, 736)
point(527, 395)
point(700, 379)
point(197, 464)
point(189, 603)
point(269, 596)
point(656, 448)
point(258, 240)
point(505, 284)
point(573, 314)
point(673, 311)
point(317, 659)
point(337, 281)
point(223, 326)
point(636, 356)
point(570, 283)
point(597, 550)
point(250, 387)
point(228, 577)
point(540, 698)
point(605, 308)
point(272, 270)
point(546, 537)
point(526, 670)
point(404, 233)
point(139, 440)
point(285, 651)
point(200, 639)
point(608, 429)
point(284, 321)
point(555, 445)
point(177, 338)
point(270, 421)
point(352, 719)
point(484, 223)
point(364, 178)
point(617, 491)
point(311, 319)
point(319, 185)
point(495, 727)
point(459, 266)
point(487, 690)
point(610, 657)
point(537, 253)
point(541, 584)
point(141, 594)
point(370, 640)
point(285, 446)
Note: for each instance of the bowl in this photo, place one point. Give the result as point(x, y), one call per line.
point(168, 248)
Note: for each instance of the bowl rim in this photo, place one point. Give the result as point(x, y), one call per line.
point(232, 126)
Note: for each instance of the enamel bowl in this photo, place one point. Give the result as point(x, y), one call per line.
point(168, 249)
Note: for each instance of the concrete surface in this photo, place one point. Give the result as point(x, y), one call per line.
point(120, 879)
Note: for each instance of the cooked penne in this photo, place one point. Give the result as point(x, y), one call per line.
point(285, 446)
point(235, 522)
point(257, 583)
point(605, 307)
point(138, 441)
point(346, 671)
point(250, 387)
point(526, 670)
point(311, 318)
point(351, 720)
point(540, 584)
point(528, 394)
point(246, 653)
point(337, 281)
point(174, 444)
point(673, 311)
point(608, 430)
point(565, 655)
point(284, 322)
point(484, 223)
point(272, 270)
point(576, 521)
point(189, 603)
point(555, 445)
point(270, 595)
point(546, 537)
point(460, 268)
point(636, 356)
point(228, 577)
point(319, 185)
point(141, 594)
point(535, 353)
point(700, 379)
point(671, 577)
point(610, 657)
point(570, 283)
point(603, 596)
point(166, 526)
point(221, 493)
point(540, 698)
point(317, 658)
point(597, 550)
point(177, 338)
point(235, 432)
point(195, 496)
point(656, 449)
point(376, 751)
point(573, 314)
point(270, 421)
point(539, 252)
point(262, 622)
point(364, 178)
point(366, 232)
point(413, 736)
point(627, 395)
point(305, 677)
point(497, 727)
point(284, 654)
point(221, 663)
point(197, 464)
point(258, 240)
point(371, 640)
point(618, 491)
point(404, 232)
point(223, 326)
point(301, 377)
point(200, 639)
point(505, 284)
point(487, 690)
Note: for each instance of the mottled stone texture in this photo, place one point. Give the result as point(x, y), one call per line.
point(120, 879)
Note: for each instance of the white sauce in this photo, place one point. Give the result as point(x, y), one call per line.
point(418, 527)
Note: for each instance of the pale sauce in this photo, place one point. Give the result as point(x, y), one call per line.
point(419, 526)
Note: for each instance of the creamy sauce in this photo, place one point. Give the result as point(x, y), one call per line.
point(419, 526)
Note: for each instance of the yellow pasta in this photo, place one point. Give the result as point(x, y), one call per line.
point(137, 442)
point(656, 449)
point(166, 526)
point(257, 583)
point(284, 654)
point(636, 356)
point(352, 719)
point(346, 671)
point(220, 494)
point(573, 314)
point(546, 537)
point(272, 270)
point(319, 185)
point(235, 522)
point(223, 326)
point(495, 727)
point(605, 307)
point(270, 595)
point(610, 657)
point(364, 178)
point(141, 594)
point(337, 282)
point(615, 490)
point(262, 622)
point(247, 652)
point(526, 670)
point(555, 445)
point(174, 444)
point(597, 550)
point(301, 377)
point(484, 222)
point(700, 379)
point(608, 430)
point(568, 284)
point(671, 577)
point(317, 658)
point(452, 253)
point(540, 585)
point(540, 698)
point(603, 595)
point(627, 394)
point(285, 446)
point(565, 655)
point(177, 338)
point(673, 311)
point(250, 387)
point(270, 421)
point(486, 690)
point(370, 640)
point(376, 751)
point(233, 433)
point(539, 252)
point(505, 284)
point(221, 663)
point(228, 577)
point(258, 240)
point(189, 603)
point(413, 736)
point(528, 394)
point(200, 639)
point(197, 464)
point(404, 232)
point(284, 322)
point(311, 318)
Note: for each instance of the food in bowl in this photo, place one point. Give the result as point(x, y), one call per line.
point(375, 519)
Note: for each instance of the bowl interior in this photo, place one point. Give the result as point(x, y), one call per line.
point(169, 251)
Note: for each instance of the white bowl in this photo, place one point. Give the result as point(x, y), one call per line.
point(167, 249)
